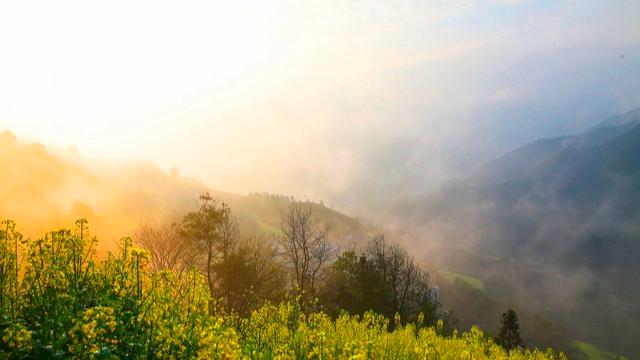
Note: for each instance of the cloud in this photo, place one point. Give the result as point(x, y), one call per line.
point(508, 2)
point(326, 97)
point(505, 95)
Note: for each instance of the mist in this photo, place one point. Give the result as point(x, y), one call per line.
point(44, 189)
point(551, 226)
point(394, 114)
point(350, 103)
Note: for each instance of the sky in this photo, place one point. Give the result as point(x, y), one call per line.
point(334, 100)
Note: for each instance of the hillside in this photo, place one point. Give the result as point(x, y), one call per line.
point(553, 226)
point(42, 189)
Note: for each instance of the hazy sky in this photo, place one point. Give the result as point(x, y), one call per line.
point(313, 97)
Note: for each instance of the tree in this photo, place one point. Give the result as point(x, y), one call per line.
point(406, 286)
point(168, 248)
point(250, 276)
point(229, 232)
point(212, 230)
point(305, 247)
point(384, 279)
point(509, 334)
point(352, 284)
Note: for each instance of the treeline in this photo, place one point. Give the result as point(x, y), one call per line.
point(282, 198)
point(195, 289)
point(298, 262)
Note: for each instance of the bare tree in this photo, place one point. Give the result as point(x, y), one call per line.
point(407, 286)
point(169, 250)
point(305, 247)
point(229, 233)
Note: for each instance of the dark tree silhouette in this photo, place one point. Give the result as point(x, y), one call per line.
point(509, 334)
point(384, 279)
point(213, 232)
point(250, 276)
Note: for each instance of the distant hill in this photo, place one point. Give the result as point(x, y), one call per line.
point(554, 225)
point(528, 160)
point(42, 189)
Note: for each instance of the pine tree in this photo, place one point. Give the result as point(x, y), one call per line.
point(509, 335)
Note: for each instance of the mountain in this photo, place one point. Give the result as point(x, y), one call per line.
point(554, 225)
point(529, 160)
point(551, 229)
point(43, 188)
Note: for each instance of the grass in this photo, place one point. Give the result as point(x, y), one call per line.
point(471, 281)
point(593, 353)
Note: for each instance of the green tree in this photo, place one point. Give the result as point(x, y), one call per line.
point(352, 284)
point(250, 276)
point(509, 334)
point(212, 231)
point(384, 279)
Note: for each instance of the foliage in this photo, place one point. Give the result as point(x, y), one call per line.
point(384, 279)
point(509, 334)
point(205, 230)
point(285, 331)
point(69, 305)
point(241, 273)
point(251, 276)
point(66, 304)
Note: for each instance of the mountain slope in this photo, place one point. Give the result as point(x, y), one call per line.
point(42, 189)
point(554, 225)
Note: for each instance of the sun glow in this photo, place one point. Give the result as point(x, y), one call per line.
point(242, 94)
point(105, 64)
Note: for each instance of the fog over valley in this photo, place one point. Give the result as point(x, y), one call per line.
point(442, 164)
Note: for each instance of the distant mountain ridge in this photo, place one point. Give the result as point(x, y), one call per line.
point(516, 163)
point(562, 218)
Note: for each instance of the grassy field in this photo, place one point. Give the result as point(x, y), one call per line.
point(593, 353)
point(473, 282)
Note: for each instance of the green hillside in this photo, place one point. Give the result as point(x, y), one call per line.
point(262, 214)
point(471, 281)
point(591, 352)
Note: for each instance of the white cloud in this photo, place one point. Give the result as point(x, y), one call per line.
point(262, 92)
point(508, 2)
point(505, 95)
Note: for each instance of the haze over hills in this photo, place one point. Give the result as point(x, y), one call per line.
point(466, 135)
point(554, 225)
point(550, 228)
point(42, 189)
